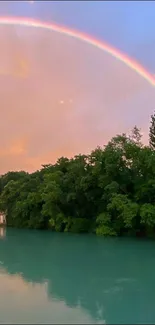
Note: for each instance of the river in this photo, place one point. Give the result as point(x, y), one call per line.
point(59, 278)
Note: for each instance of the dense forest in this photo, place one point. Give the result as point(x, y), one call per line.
point(111, 191)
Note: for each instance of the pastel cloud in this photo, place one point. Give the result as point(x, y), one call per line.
point(60, 96)
point(17, 294)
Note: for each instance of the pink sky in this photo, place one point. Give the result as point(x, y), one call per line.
point(70, 98)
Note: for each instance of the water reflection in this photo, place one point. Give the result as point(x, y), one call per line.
point(26, 302)
point(2, 232)
point(62, 278)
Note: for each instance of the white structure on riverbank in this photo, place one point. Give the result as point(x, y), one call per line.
point(2, 219)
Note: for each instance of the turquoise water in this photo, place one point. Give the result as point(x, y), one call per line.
point(64, 278)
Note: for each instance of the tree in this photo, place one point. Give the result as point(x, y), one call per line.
point(109, 192)
point(136, 136)
point(152, 132)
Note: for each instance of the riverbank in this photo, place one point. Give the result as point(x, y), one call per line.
point(109, 192)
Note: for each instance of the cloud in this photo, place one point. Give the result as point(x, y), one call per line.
point(72, 98)
point(17, 294)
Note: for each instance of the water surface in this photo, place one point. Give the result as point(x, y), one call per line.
point(64, 278)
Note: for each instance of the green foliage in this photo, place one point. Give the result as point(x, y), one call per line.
point(104, 228)
point(109, 192)
point(123, 209)
point(147, 213)
point(152, 132)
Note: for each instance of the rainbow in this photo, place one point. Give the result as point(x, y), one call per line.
point(131, 63)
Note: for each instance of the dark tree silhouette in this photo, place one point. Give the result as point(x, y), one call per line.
point(152, 132)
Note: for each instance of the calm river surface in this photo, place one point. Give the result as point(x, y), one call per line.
point(64, 278)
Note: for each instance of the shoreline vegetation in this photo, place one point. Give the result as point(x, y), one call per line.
point(110, 192)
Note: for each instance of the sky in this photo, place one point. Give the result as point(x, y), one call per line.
point(61, 96)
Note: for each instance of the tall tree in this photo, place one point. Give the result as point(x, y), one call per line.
point(152, 132)
point(136, 136)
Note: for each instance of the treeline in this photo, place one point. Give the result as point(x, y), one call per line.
point(109, 192)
